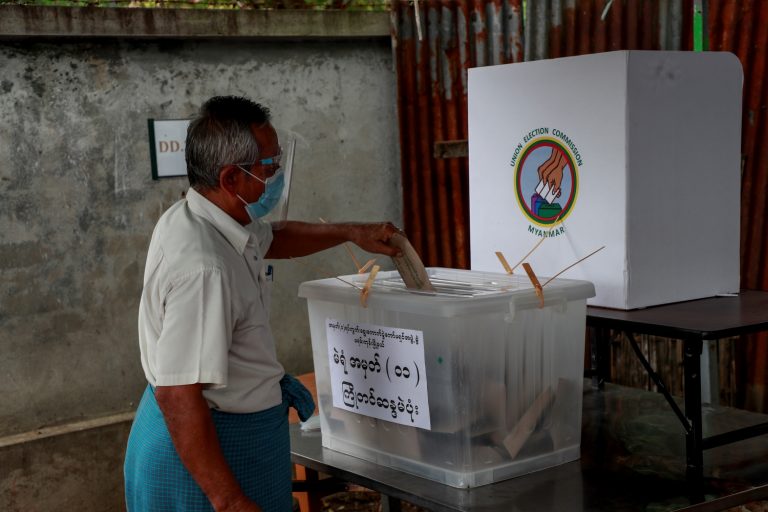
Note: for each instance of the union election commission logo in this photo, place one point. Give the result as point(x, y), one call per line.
point(546, 179)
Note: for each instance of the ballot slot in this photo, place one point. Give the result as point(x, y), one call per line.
point(446, 286)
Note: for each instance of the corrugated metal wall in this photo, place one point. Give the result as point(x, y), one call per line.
point(559, 28)
point(458, 34)
point(435, 42)
point(740, 26)
point(432, 86)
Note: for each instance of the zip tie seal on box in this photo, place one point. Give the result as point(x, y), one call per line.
point(367, 288)
point(535, 282)
point(572, 265)
point(528, 254)
point(557, 221)
point(504, 263)
point(364, 268)
point(359, 269)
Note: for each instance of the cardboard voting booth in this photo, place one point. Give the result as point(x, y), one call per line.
point(637, 151)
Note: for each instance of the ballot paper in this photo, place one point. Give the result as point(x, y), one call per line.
point(546, 192)
point(409, 265)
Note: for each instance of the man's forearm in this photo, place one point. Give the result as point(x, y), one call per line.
point(193, 434)
point(302, 238)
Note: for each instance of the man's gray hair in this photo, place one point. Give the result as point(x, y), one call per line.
point(221, 135)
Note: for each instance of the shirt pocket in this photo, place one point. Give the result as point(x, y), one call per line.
point(266, 275)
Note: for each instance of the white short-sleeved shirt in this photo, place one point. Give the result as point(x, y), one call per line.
point(204, 311)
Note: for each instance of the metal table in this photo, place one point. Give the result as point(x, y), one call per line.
point(694, 322)
point(629, 463)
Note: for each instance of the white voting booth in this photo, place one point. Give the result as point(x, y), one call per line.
point(637, 151)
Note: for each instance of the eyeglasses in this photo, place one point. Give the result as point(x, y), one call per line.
point(272, 173)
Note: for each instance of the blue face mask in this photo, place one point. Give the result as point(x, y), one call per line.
point(273, 191)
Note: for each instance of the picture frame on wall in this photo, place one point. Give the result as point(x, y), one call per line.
point(166, 146)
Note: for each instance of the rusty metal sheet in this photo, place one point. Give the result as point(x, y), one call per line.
point(559, 28)
point(435, 42)
point(739, 26)
point(457, 35)
point(461, 34)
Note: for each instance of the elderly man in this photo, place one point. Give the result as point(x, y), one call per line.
point(211, 430)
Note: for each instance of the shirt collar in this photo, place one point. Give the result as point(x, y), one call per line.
point(235, 234)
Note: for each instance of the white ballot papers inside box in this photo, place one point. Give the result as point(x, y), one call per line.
point(378, 371)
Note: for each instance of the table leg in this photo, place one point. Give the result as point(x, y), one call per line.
point(390, 504)
point(599, 352)
point(315, 503)
point(710, 373)
point(694, 449)
point(659, 383)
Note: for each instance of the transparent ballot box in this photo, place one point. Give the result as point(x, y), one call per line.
point(476, 382)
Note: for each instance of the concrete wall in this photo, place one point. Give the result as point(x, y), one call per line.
point(77, 202)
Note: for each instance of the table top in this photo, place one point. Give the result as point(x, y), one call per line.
point(633, 459)
point(708, 319)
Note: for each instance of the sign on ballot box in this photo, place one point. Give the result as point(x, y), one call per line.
point(378, 371)
point(636, 151)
